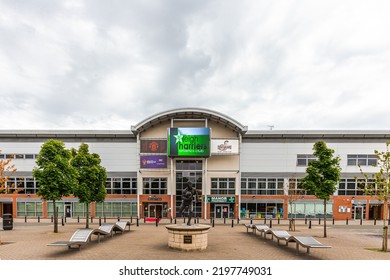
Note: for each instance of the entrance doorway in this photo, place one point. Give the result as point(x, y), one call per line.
point(155, 210)
point(68, 210)
point(221, 211)
point(359, 212)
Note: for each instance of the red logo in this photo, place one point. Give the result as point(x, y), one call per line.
point(153, 146)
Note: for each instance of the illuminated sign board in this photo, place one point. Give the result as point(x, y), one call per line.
point(189, 142)
point(157, 161)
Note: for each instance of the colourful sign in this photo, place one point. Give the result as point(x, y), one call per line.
point(157, 161)
point(189, 142)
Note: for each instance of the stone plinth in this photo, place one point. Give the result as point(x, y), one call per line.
point(187, 238)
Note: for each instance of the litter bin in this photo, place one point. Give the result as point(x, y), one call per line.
point(8, 222)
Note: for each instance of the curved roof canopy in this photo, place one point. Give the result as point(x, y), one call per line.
point(190, 114)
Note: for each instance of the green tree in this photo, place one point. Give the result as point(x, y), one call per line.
point(55, 175)
point(323, 174)
point(91, 177)
point(378, 184)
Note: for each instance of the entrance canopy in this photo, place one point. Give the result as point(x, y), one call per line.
point(190, 114)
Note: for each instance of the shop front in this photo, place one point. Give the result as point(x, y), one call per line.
point(155, 206)
point(222, 206)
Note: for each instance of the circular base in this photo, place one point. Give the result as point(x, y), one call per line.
point(187, 238)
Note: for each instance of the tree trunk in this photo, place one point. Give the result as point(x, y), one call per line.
point(325, 218)
point(87, 215)
point(55, 218)
point(385, 227)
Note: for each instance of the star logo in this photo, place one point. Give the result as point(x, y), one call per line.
point(179, 137)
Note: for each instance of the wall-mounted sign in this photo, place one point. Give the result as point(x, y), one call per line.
point(154, 146)
point(221, 199)
point(224, 146)
point(157, 161)
point(189, 142)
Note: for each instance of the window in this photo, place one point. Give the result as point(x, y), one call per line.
point(223, 185)
point(116, 209)
point(154, 185)
point(303, 160)
point(262, 186)
point(29, 209)
point(362, 160)
point(119, 185)
point(352, 187)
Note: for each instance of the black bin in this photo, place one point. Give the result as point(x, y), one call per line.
point(8, 222)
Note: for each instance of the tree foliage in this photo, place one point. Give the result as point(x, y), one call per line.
point(55, 175)
point(378, 184)
point(7, 170)
point(91, 177)
point(323, 174)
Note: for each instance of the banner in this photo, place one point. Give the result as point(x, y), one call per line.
point(189, 142)
point(224, 147)
point(157, 161)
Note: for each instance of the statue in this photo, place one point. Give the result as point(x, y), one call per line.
point(188, 197)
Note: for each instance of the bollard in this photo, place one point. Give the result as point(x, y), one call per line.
point(39, 219)
point(265, 220)
point(137, 222)
point(175, 221)
point(25, 219)
point(104, 219)
point(375, 222)
point(310, 224)
point(213, 223)
point(346, 221)
point(65, 219)
point(305, 221)
point(52, 218)
point(119, 219)
point(62, 221)
point(131, 219)
point(270, 223)
point(319, 221)
point(91, 220)
point(224, 220)
point(100, 221)
point(238, 220)
point(278, 220)
point(232, 223)
point(361, 221)
point(144, 220)
point(388, 222)
point(171, 220)
point(78, 219)
point(197, 220)
point(333, 221)
point(156, 222)
point(184, 220)
point(251, 221)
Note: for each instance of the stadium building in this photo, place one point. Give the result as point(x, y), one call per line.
point(238, 173)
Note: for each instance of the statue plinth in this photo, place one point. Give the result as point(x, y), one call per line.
point(188, 238)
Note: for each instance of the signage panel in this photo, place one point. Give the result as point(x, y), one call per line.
point(157, 161)
point(224, 146)
point(157, 146)
point(189, 142)
point(221, 199)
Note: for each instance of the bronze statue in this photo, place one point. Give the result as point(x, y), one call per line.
point(187, 203)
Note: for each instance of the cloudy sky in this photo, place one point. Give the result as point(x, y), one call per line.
point(111, 64)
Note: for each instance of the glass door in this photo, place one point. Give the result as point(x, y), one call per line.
point(155, 210)
point(221, 211)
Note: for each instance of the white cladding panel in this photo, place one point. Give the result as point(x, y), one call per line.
point(282, 157)
point(115, 156)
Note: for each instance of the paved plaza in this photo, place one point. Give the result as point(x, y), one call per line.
point(28, 241)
